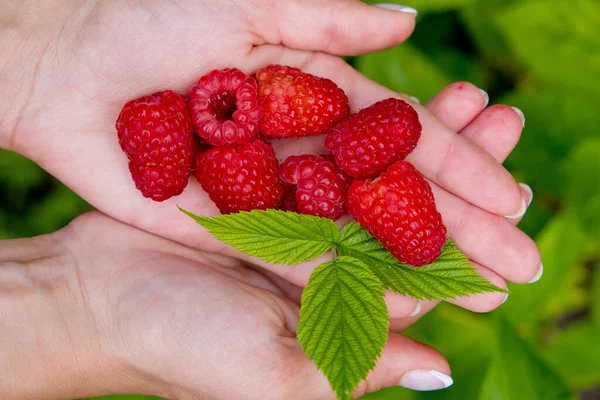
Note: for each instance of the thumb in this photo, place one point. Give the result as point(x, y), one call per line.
point(341, 27)
point(404, 362)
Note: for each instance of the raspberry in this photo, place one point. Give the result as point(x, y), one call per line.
point(155, 132)
point(319, 189)
point(398, 209)
point(298, 104)
point(224, 106)
point(240, 177)
point(289, 202)
point(368, 142)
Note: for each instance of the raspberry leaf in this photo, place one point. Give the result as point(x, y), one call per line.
point(344, 322)
point(450, 276)
point(274, 236)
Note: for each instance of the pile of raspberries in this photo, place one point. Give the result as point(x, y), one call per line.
point(235, 115)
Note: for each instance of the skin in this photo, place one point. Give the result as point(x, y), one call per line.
point(66, 74)
point(122, 310)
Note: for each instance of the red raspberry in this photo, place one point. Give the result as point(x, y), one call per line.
point(289, 202)
point(298, 104)
point(398, 209)
point(320, 189)
point(240, 177)
point(368, 142)
point(224, 106)
point(156, 134)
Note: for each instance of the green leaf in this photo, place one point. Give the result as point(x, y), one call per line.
point(561, 244)
point(576, 355)
point(274, 236)
point(547, 141)
point(17, 173)
point(343, 323)
point(428, 5)
point(478, 18)
point(404, 69)
point(596, 296)
point(450, 276)
point(539, 31)
point(519, 373)
point(582, 170)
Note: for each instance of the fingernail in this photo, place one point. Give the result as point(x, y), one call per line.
point(505, 298)
point(424, 380)
point(413, 98)
point(416, 311)
point(521, 211)
point(529, 192)
point(521, 115)
point(539, 274)
point(397, 7)
point(486, 97)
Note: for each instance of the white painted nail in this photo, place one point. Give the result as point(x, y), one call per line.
point(486, 97)
point(413, 98)
point(519, 213)
point(505, 298)
point(529, 191)
point(539, 274)
point(521, 115)
point(416, 311)
point(423, 380)
point(397, 7)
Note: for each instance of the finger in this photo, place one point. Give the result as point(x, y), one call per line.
point(404, 362)
point(458, 104)
point(400, 324)
point(483, 302)
point(528, 197)
point(488, 239)
point(448, 159)
point(334, 26)
point(497, 130)
point(400, 306)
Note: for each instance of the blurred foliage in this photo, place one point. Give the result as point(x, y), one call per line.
point(542, 56)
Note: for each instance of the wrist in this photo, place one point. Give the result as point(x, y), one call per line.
point(53, 346)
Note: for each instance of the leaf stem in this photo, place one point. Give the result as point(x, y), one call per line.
point(333, 253)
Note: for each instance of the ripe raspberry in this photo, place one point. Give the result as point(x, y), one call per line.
point(319, 189)
point(298, 104)
point(368, 142)
point(224, 106)
point(398, 209)
point(240, 177)
point(289, 202)
point(156, 134)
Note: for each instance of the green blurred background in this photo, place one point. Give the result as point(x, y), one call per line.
point(543, 57)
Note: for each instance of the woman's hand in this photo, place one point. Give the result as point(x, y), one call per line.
point(103, 54)
point(101, 307)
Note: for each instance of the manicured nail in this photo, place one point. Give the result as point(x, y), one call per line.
point(539, 274)
point(529, 192)
point(424, 380)
point(521, 115)
point(397, 7)
point(413, 98)
point(416, 311)
point(519, 213)
point(505, 298)
point(486, 97)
